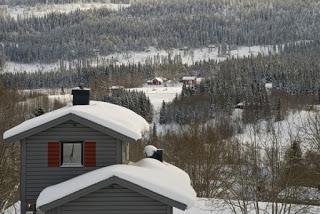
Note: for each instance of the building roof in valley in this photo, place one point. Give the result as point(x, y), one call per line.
point(165, 181)
point(106, 115)
point(159, 79)
point(187, 78)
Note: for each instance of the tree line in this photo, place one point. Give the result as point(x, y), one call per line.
point(163, 24)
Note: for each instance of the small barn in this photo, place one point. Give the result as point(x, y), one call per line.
point(155, 81)
point(75, 160)
point(189, 80)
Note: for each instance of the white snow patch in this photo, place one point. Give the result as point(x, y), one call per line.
point(14, 209)
point(41, 10)
point(268, 85)
point(219, 206)
point(157, 94)
point(64, 98)
point(153, 55)
point(114, 117)
point(293, 127)
point(212, 206)
point(149, 150)
point(162, 178)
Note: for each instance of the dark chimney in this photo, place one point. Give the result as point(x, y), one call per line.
point(158, 155)
point(81, 96)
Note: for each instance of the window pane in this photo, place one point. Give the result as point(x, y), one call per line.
point(72, 153)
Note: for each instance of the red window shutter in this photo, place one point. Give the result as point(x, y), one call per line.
point(53, 154)
point(90, 154)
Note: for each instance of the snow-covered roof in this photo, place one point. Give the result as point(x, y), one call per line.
point(114, 117)
point(188, 78)
point(199, 80)
point(158, 79)
point(159, 177)
point(149, 150)
point(81, 88)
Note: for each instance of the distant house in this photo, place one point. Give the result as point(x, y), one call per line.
point(191, 81)
point(75, 160)
point(156, 81)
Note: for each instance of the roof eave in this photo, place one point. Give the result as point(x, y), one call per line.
point(108, 182)
point(70, 116)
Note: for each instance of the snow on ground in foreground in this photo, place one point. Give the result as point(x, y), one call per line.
point(218, 206)
point(155, 55)
point(43, 9)
point(204, 206)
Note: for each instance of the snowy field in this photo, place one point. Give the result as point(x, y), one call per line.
point(214, 206)
point(23, 12)
point(150, 55)
point(293, 127)
point(157, 94)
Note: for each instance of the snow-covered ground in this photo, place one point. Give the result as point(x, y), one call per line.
point(218, 206)
point(64, 98)
point(189, 56)
point(157, 94)
point(13, 67)
point(150, 55)
point(214, 206)
point(44, 9)
point(295, 126)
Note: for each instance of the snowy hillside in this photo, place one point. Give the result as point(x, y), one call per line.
point(294, 126)
point(42, 10)
point(157, 94)
point(150, 55)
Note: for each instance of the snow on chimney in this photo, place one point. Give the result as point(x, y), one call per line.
point(152, 152)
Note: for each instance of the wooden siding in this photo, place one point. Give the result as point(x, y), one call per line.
point(38, 175)
point(113, 199)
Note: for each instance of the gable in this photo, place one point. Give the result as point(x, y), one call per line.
point(115, 199)
point(69, 117)
point(118, 182)
point(69, 130)
point(112, 119)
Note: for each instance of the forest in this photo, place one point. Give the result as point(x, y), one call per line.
point(162, 24)
point(233, 135)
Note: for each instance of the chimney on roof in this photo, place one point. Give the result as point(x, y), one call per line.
point(81, 96)
point(152, 152)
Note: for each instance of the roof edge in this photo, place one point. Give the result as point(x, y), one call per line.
point(106, 183)
point(70, 116)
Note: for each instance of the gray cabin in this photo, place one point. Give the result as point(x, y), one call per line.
point(73, 141)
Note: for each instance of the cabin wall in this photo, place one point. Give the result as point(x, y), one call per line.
point(36, 173)
point(113, 199)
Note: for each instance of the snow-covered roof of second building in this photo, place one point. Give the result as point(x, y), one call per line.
point(158, 79)
point(114, 117)
point(161, 178)
point(188, 78)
